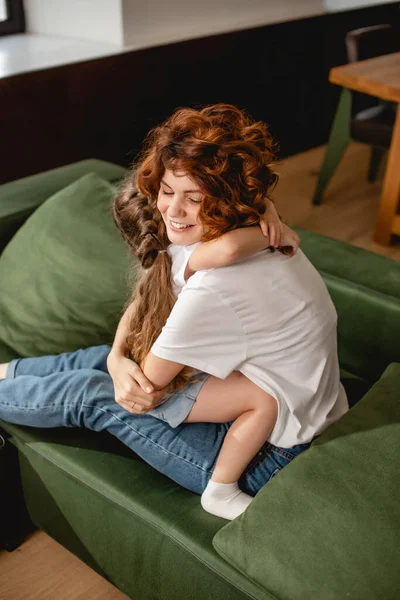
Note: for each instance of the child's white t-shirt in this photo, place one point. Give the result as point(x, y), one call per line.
point(269, 317)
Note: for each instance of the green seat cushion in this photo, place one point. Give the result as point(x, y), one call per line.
point(20, 198)
point(328, 525)
point(64, 274)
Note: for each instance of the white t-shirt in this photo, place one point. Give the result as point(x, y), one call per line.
point(271, 318)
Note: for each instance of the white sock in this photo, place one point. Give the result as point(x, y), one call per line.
point(225, 500)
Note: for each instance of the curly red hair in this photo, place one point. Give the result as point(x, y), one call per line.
point(225, 152)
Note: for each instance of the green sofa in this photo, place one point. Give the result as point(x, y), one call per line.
point(327, 527)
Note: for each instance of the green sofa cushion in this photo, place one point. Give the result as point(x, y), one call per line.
point(20, 198)
point(328, 526)
point(64, 274)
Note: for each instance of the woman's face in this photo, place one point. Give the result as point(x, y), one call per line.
point(179, 200)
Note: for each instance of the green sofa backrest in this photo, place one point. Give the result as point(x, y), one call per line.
point(20, 198)
point(365, 288)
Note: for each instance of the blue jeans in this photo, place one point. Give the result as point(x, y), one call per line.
point(74, 389)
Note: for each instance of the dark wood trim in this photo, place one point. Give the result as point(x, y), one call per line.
point(103, 108)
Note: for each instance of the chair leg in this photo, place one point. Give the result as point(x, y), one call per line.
point(339, 139)
point(376, 156)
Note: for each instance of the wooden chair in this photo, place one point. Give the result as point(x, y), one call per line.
point(359, 117)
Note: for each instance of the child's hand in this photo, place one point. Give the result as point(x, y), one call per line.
point(271, 225)
point(290, 241)
point(280, 235)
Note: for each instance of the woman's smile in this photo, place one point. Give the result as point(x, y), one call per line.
point(179, 227)
point(179, 201)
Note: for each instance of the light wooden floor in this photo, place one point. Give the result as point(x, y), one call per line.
point(41, 569)
point(350, 204)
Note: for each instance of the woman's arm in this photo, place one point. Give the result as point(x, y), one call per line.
point(119, 347)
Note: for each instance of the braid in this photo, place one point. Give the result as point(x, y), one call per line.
point(140, 224)
point(143, 229)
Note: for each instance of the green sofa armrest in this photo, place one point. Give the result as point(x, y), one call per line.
point(20, 198)
point(328, 525)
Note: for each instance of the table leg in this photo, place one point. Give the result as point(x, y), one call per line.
point(391, 189)
point(339, 139)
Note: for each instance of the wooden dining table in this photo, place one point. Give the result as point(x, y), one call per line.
point(380, 77)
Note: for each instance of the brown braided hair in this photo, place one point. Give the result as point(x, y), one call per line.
point(230, 158)
point(143, 229)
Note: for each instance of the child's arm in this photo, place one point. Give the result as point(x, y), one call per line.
point(160, 371)
point(230, 248)
point(234, 246)
point(237, 245)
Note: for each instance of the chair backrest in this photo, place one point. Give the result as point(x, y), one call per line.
point(369, 42)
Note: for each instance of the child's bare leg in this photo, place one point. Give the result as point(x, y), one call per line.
point(255, 413)
point(3, 370)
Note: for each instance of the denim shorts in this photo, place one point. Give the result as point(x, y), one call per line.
point(176, 407)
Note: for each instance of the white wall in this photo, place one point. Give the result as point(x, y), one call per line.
point(152, 22)
point(144, 23)
point(95, 20)
point(3, 10)
point(338, 5)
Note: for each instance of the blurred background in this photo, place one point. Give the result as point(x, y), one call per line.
point(89, 78)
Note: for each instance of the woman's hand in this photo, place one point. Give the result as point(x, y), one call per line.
point(279, 234)
point(133, 391)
